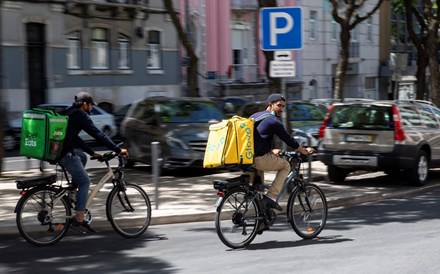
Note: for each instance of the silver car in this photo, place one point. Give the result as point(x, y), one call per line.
point(102, 119)
point(397, 137)
point(179, 125)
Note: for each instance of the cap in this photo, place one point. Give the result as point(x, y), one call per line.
point(84, 97)
point(275, 97)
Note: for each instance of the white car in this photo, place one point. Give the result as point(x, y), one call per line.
point(102, 119)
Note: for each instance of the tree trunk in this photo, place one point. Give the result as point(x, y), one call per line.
point(193, 59)
point(342, 63)
point(422, 58)
point(432, 48)
point(2, 129)
point(348, 21)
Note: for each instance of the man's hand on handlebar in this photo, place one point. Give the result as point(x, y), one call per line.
point(96, 155)
point(123, 153)
point(277, 151)
point(305, 150)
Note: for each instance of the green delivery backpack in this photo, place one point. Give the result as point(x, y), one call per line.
point(42, 134)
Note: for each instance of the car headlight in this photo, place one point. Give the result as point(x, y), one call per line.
point(176, 143)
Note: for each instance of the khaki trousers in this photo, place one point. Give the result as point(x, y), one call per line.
point(272, 162)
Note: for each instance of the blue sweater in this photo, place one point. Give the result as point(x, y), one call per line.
point(80, 120)
point(265, 131)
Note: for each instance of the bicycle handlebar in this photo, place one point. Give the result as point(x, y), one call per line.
point(294, 155)
point(105, 157)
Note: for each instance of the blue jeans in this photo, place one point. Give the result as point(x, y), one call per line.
point(75, 162)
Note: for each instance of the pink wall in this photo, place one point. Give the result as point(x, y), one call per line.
point(218, 36)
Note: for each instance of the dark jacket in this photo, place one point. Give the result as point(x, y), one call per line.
point(80, 120)
point(266, 129)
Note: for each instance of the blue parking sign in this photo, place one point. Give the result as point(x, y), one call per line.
point(281, 28)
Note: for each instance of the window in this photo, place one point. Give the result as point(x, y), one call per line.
point(369, 29)
point(354, 34)
point(334, 30)
point(370, 82)
point(312, 25)
point(74, 50)
point(99, 49)
point(153, 50)
point(124, 52)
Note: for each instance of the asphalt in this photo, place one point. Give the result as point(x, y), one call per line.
point(190, 197)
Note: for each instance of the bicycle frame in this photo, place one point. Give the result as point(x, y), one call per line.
point(293, 173)
point(110, 175)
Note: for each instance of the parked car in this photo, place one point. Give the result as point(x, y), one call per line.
point(401, 136)
point(229, 104)
point(102, 119)
point(327, 102)
point(180, 125)
point(119, 116)
point(305, 119)
point(10, 140)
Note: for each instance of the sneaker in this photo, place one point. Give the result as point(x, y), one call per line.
point(82, 226)
point(271, 203)
point(261, 228)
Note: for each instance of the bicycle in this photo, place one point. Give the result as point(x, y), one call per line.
point(44, 212)
point(241, 213)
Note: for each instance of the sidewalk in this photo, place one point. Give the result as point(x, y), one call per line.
point(189, 199)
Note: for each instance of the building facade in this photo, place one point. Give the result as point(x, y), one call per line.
point(226, 38)
point(118, 51)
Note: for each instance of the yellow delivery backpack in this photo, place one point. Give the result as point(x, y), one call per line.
point(231, 142)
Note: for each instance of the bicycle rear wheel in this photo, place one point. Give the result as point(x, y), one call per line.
point(307, 211)
point(129, 210)
point(42, 218)
point(236, 219)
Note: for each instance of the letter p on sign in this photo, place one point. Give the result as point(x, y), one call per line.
point(281, 28)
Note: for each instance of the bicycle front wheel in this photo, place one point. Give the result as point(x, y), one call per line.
point(236, 219)
point(129, 210)
point(42, 217)
point(307, 211)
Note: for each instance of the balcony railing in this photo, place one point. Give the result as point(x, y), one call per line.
point(244, 4)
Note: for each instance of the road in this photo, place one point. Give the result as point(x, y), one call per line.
point(391, 236)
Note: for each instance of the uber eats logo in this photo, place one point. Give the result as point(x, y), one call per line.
point(30, 139)
point(58, 132)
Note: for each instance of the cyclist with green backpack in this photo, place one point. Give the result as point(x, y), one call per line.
point(73, 158)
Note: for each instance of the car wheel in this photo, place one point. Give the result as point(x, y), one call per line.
point(336, 174)
point(418, 175)
point(107, 131)
point(8, 142)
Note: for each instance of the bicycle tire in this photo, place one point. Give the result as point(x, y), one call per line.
point(237, 219)
point(129, 210)
point(307, 211)
point(39, 221)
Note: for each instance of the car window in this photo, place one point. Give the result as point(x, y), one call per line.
point(95, 111)
point(189, 112)
point(410, 116)
point(428, 117)
point(143, 111)
point(361, 117)
point(305, 112)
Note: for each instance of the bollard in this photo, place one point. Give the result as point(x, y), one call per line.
point(155, 164)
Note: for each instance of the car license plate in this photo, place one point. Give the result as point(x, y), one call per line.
point(359, 138)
